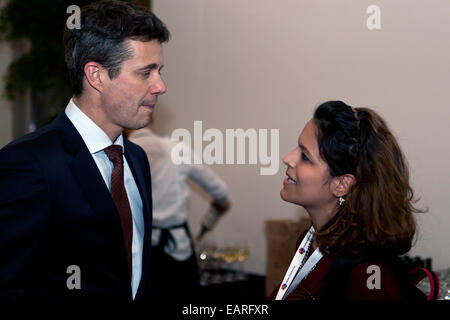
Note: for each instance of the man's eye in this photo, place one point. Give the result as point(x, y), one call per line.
point(146, 74)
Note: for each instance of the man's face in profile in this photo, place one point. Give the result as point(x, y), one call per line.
point(129, 99)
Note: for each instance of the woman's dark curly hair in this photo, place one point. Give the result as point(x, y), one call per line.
point(378, 210)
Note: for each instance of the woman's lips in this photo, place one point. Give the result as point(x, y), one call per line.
point(288, 181)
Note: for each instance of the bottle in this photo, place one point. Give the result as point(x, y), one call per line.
point(208, 222)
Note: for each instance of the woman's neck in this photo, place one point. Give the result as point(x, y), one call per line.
point(321, 215)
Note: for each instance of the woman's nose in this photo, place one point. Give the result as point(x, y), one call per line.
point(287, 159)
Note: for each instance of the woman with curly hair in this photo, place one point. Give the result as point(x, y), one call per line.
point(352, 178)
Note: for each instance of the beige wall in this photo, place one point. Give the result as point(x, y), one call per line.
point(268, 64)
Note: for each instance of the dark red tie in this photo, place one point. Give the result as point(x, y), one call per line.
point(119, 195)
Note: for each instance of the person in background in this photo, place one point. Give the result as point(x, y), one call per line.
point(174, 266)
point(75, 205)
point(351, 176)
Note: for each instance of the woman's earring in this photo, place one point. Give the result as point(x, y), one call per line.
point(341, 201)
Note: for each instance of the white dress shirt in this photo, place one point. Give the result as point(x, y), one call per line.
point(170, 189)
point(96, 141)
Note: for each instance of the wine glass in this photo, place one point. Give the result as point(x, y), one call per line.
point(444, 284)
point(217, 255)
point(230, 255)
point(242, 255)
point(204, 259)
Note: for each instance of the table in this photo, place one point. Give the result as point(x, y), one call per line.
point(250, 289)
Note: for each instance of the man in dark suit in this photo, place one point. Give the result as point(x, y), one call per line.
point(75, 196)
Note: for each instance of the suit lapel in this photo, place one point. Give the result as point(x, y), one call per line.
point(89, 178)
point(94, 188)
point(145, 193)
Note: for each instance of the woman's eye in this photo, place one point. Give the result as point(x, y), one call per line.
point(304, 157)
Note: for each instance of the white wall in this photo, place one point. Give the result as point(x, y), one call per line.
point(268, 64)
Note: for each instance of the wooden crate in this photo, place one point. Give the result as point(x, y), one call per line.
point(281, 238)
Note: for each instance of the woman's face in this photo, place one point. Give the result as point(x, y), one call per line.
point(307, 176)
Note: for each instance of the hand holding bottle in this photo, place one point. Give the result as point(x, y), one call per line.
point(212, 216)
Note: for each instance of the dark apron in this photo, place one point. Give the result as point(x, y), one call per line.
point(177, 279)
point(166, 236)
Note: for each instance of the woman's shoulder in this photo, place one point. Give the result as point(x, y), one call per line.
point(370, 274)
point(373, 280)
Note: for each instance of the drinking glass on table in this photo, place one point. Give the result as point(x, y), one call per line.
point(205, 262)
point(230, 255)
point(242, 256)
point(444, 284)
point(217, 257)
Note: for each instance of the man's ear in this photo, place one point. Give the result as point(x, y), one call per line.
point(95, 75)
point(341, 185)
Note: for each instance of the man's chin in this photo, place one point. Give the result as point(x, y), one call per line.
point(141, 123)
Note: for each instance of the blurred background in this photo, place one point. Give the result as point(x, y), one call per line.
point(266, 64)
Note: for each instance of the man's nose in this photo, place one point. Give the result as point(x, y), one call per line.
point(158, 87)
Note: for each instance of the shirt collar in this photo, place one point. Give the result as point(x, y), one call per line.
point(93, 136)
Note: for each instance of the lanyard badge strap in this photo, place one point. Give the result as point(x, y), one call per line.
point(292, 278)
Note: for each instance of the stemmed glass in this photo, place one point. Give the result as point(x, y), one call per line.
point(242, 255)
point(208, 261)
point(230, 255)
point(217, 257)
point(204, 260)
point(444, 284)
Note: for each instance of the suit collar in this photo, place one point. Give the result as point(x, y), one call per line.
point(93, 136)
point(90, 180)
point(145, 191)
point(70, 137)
